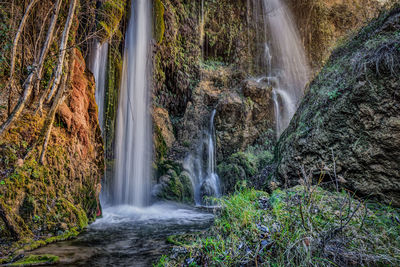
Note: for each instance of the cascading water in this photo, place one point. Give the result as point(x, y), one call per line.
point(285, 61)
point(212, 179)
point(98, 66)
point(133, 137)
point(204, 179)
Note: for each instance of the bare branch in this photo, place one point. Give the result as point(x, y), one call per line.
point(17, 37)
point(28, 85)
point(63, 46)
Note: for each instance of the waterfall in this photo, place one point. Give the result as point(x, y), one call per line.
point(98, 66)
point(204, 179)
point(286, 64)
point(133, 135)
point(212, 179)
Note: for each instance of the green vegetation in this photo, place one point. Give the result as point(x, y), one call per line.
point(212, 64)
point(301, 226)
point(32, 260)
point(175, 183)
point(243, 166)
point(111, 13)
point(159, 24)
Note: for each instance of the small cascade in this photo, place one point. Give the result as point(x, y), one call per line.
point(98, 66)
point(132, 179)
point(285, 64)
point(212, 179)
point(204, 179)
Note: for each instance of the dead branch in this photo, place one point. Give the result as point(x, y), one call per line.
point(47, 43)
point(16, 39)
point(28, 85)
point(63, 46)
point(50, 117)
point(59, 99)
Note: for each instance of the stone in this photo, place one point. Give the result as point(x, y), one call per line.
point(20, 162)
point(348, 122)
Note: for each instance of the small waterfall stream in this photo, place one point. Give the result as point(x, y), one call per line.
point(98, 66)
point(133, 136)
point(212, 179)
point(204, 178)
point(285, 65)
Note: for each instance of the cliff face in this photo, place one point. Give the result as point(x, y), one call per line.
point(38, 201)
point(204, 60)
point(51, 155)
point(323, 22)
point(347, 126)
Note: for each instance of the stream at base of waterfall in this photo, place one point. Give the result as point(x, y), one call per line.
point(129, 236)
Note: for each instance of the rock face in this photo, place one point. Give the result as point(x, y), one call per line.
point(244, 111)
point(348, 124)
point(243, 117)
point(202, 61)
point(322, 22)
point(38, 201)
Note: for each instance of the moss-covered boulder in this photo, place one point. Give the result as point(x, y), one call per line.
point(173, 183)
point(242, 167)
point(347, 128)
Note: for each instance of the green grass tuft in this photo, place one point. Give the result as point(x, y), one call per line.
point(301, 226)
point(33, 260)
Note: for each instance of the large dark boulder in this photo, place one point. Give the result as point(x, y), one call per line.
point(348, 124)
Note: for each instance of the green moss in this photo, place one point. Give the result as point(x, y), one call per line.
point(160, 144)
point(32, 260)
point(80, 215)
point(243, 165)
point(114, 72)
point(67, 235)
point(159, 24)
point(110, 15)
point(177, 185)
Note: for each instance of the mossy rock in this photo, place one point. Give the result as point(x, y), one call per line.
point(350, 109)
point(111, 13)
point(174, 183)
point(159, 24)
point(242, 166)
point(34, 260)
point(230, 175)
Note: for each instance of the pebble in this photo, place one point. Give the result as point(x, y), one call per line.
point(264, 203)
point(263, 228)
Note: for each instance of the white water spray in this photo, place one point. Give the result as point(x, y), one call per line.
point(285, 60)
point(98, 66)
point(204, 179)
point(133, 138)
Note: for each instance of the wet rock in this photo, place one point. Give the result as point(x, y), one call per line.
point(264, 203)
point(174, 184)
point(207, 189)
point(263, 228)
point(163, 123)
